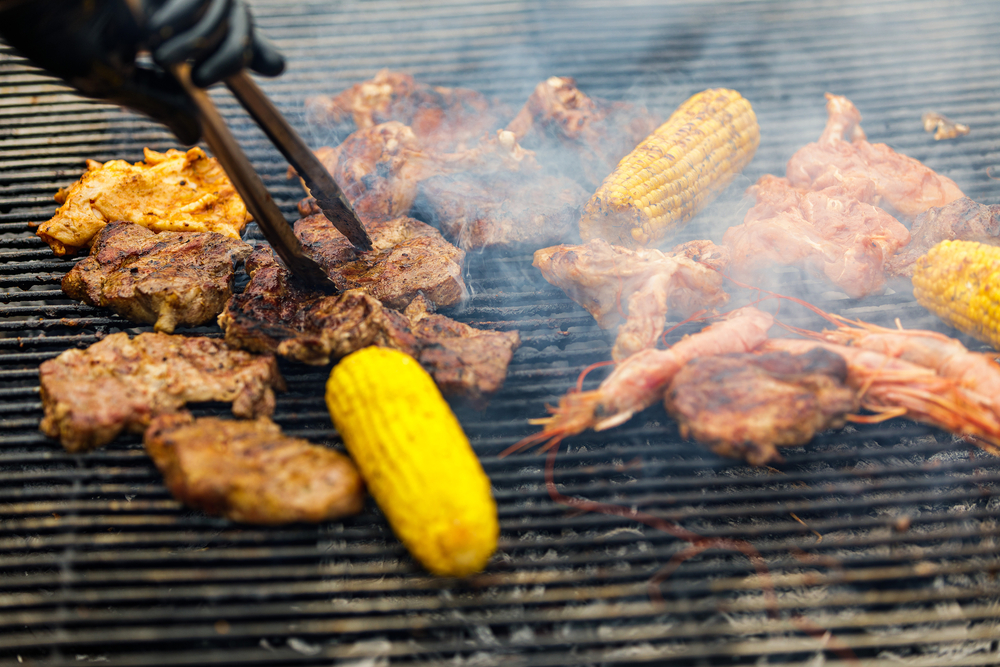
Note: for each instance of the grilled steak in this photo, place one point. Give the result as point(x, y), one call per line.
point(170, 279)
point(746, 405)
point(527, 211)
point(275, 315)
point(641, 285)
point(445, 119)
point(173, 191)
point(92, 395)
point(409, 258)
point(249, 471)
point(962, 219)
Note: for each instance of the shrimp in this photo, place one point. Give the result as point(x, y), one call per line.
point(640, 380)
point(895, 387)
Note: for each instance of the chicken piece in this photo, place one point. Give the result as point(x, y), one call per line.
point(274, 315)
point(174, 191)
point(503, 210)
point(249, 471)
point(900, 184)
point(747, 405)
point(599, 133)
point(90, 396)
point(409, 258)
point(168, 279)
point(829, 232)
point(444, 119)
point(648, 283)
point(961, 220)
point(942, 126)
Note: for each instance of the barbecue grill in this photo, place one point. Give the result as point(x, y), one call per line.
point(880, 540)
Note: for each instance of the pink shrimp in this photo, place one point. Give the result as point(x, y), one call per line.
point(895, 387)
point(640, 380)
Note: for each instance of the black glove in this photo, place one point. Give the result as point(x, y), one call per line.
point(92, 44)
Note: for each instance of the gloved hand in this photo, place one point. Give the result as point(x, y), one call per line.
point(92, 44)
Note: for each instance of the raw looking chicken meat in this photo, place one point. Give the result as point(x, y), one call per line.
point(558, 119)
point(746, 405)
point(962, 219)
point(249, 471)
point(444, 119)
point(90, 396)
point(174, 191)
point(275, 315)
point(640, 286)
point(899, 183)
point(168, 279)
point(409, 258)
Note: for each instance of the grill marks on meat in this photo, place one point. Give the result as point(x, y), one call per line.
point(962, 219)
point(897, 182)
point(747, 405)
point(273, 314)
point(829, 232)
point(249, 471)
point(174, 191)
point(168, 279)
point(640, 286)
point(445, 119)
point(598, 133)
point(409, 258)
point(503, 210)
point(90, 396)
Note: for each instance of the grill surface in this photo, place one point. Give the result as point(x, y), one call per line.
point(883, 537)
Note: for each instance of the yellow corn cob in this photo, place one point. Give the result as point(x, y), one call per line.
point(414, 457)
point(675, 172)
point(959, 281)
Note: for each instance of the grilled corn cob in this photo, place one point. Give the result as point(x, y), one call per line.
point(415, 459)
point(959, 281)
point(675, 172)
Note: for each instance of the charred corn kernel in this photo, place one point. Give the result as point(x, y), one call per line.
point(675, 172)
point(414, 457)
point(959, 281)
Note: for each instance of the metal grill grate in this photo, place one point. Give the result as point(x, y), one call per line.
point(98, 563)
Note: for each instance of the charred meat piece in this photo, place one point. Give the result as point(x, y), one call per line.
point(409, 258)
point(961, 220)
point(174, 191)
point(829, 232)
point(641, 286)
point(899, 183)
point(168, 279)
point(249, 471)
point(445, 119)
point(747, 405)
point(503, 211)
point(274, 315)
point(90, 396)
point(598, 133)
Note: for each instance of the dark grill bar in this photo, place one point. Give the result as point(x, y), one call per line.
point(880, 541)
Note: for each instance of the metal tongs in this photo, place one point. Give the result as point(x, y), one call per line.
point(269, 219)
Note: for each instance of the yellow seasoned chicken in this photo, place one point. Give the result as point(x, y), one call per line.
point(174, 191)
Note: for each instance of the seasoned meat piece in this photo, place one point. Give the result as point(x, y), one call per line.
point(899, 183)
point(747, 405)
point(274, 315)
point(445, 119)
point(172, 191)
point(92, 395)
point(599, 133)
point(961, 220)
point(829, 232)
point(503, 210)
point(641, 285)
point(249, 471)
point(168, 279)
point(409, 258)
